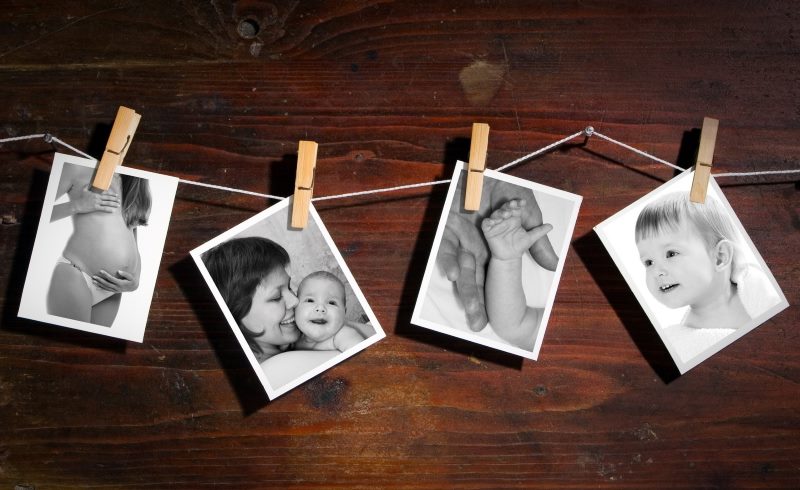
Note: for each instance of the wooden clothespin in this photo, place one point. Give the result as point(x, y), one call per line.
point(303, 183)
point(477, 164)
point(117, 146)
point(705, 154)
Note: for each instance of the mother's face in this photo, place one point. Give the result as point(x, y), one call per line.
point(271, 315)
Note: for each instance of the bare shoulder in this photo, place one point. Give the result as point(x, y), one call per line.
point(346, 338)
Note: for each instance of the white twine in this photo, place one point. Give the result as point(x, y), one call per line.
point(540, 151)
point(746, 174)
point(588, 132)
point(591, 132)
point(230, 189)
point(48, 138)
point(386, 189)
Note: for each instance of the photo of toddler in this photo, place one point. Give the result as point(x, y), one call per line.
point(693, 268)
point(692, 258)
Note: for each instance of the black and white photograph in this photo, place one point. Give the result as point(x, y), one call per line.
point(96, 255)
point(493, 273)
point(288, 296)
point(693, 268)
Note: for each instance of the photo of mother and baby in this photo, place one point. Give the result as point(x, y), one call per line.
point(289, 297)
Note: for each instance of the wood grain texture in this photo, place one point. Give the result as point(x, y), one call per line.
point(390, 90)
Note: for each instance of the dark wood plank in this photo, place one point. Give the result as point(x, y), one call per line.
point(390, 90)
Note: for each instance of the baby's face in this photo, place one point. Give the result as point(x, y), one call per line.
point(320, 313)
point(679, 268)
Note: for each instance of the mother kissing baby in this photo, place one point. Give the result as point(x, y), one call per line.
point(252, 274)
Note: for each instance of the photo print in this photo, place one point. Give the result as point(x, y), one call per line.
point(288, 296)
point(96, 255)
point(693, 268)
point(492, 274)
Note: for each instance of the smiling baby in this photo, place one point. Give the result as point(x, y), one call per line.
point(320, 314)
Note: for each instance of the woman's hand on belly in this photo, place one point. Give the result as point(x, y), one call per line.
point(122, 282)
point(83, 200)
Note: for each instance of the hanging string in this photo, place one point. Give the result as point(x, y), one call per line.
point(230, 189)
point(376, 191)
point(541, 150)
point(48, 138)
point(591, 132)
point(746, 174)
point(588, 132)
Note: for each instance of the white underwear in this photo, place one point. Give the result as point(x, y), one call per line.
point(98, 293)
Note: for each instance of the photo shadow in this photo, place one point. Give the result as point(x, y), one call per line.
point(281, 176)
point(248, 388)
point(606, 275)
point(687, 152)
point(27, 227)
point(456, 149)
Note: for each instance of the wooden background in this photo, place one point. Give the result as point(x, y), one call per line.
point(390, 90)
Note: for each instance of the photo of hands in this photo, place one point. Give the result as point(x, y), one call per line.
point(96, 255)
point(492, 274)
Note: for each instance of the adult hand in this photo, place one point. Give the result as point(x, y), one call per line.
point(83, 200)
point(462, 257)
point(123, 282)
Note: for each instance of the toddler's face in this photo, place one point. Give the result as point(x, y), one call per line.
point(271, 315)
point(679, 268)
point(320, 313)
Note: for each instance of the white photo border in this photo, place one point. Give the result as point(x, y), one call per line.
point(163, 189)
point(416, 317)
point(274, 392)
point(607, 230)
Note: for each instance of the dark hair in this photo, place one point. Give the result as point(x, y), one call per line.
point(238, 266)
point(136, 200)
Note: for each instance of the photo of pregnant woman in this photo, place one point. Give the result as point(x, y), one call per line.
point(96, 254)
point(91, 275)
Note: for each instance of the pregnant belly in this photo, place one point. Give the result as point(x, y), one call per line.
point(102, 244)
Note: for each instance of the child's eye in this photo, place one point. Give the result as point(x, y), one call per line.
point(647, 262)
point(671, 254)
point(275, 298)
point(333, 302)
point(308, 300)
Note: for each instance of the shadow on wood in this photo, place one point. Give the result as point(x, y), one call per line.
point(229, 353)
point(28, 227)
point(455, 150)
point(619, 296)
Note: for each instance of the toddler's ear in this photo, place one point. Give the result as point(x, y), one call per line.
point(723, 254)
